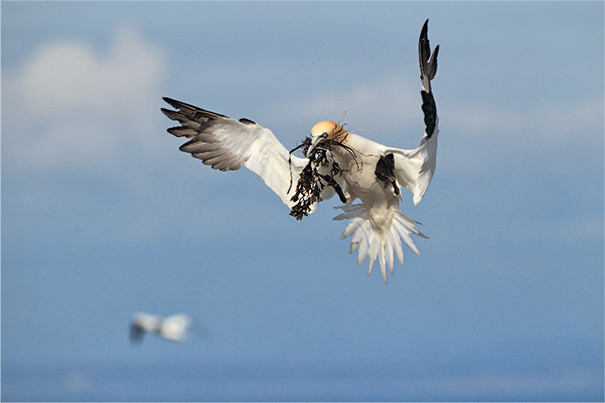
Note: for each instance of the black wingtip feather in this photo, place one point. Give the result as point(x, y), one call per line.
point(428, 61)
point(433, 63)
point(172, 102)
point(179, 105)
point(192, 109)
point(429, 108)
point(173, 115)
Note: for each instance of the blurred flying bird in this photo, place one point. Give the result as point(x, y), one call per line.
point(335, 161)
point(173, 327)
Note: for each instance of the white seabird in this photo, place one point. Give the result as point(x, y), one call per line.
point(336, 162)
point(173, 327)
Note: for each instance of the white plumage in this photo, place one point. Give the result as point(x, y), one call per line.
point(345, 164)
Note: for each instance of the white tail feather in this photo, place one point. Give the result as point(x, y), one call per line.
point(370, 242)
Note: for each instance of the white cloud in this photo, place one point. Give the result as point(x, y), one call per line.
point(553, 121)
point(385, 104)
point(550, 138)
point(388, 109)
point(72, 104)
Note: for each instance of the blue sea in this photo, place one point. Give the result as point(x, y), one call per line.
point(255, 381)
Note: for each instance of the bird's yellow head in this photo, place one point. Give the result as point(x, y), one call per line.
point(325, 131)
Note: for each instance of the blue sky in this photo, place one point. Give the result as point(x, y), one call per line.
point(102, 216)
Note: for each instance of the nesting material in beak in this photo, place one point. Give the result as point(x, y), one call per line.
point(315, 141)
point(312, 182)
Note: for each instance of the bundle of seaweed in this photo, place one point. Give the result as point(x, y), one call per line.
point(312, 182)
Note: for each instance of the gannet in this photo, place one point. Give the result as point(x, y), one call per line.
point(335, 161)
point(173, 327)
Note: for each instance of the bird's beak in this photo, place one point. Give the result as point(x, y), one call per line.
point(316, 141)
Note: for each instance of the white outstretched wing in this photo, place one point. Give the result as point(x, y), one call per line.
point(227, 144)
point(414, 169)
point(175, 327)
